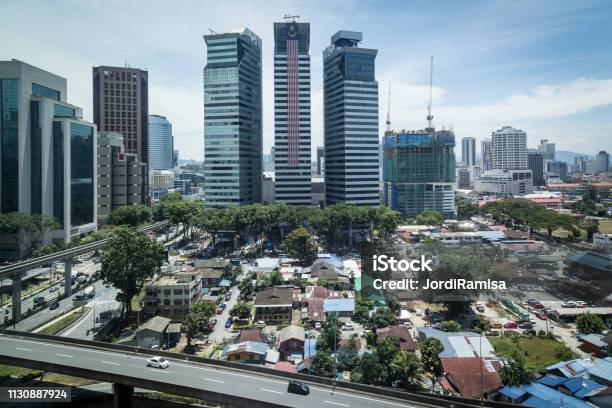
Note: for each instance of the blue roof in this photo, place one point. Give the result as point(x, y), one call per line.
point(582, 387)
point(226, 283)
point(513, 393)
point(602, 369)
point(572, 368)
point(554, 397)
point(338, 305)
point(493, 235)
point(332, 259)
point(552, 380)
point(536, 402)
point(595, 339)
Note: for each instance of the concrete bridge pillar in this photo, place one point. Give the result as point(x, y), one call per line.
point(68, 277)
point(122, 396)
point(16, 297)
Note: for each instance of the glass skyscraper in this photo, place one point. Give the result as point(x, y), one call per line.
point(351, 121)
point(48, 153)
point(160, 143)
point(232, 119)
point(419, 171)
point(293, 178)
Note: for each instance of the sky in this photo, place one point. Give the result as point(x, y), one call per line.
point(542, 66)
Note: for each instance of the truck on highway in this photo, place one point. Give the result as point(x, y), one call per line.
point(84, 295)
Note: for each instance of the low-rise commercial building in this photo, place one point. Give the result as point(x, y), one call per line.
point(505, 183)
point(274, 305)
point(173, 296)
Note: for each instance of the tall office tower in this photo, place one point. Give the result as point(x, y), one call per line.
point(546, 149)
point(350, 122)
point(160, 143)
point(419, 171)
point(232, 119)
point(175, 155)
point(485, 152)
point(292, 113)
point(119, 175)
point(468, 151)
point(320, 160)
point(603, 161)
point(47, 153)
point(509, 149)
point(535, 162)
point(121, 105)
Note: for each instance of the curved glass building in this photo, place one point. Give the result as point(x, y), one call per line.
point(160, 143)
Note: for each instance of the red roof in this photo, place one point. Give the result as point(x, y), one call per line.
point(319, 292)
point(465, 374)
point(251, 335)
point(284, 366)
point(401, 332)
point(316, 312)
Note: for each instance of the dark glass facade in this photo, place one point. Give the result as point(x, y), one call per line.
point(9, 143)
point(81, 174)
point(35, 157)
point(58, 171)
point(41, 90)
point(61, 111)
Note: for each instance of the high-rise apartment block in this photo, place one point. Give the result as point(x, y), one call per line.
point(119, 175)
point(351, 131)
point(121, 105)
point(536, 165)
point(47, 153)
point(160, 143)
point(547, 149)
point(232, 119)
point(292, 113)
point(468, 151)
point(485, 154)
point(419, 171)
point(509, 149)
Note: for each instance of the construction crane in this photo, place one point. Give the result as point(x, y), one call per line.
point(429, 115)
point(288, 17)
point(388, 122)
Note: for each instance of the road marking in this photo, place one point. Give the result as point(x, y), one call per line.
point(336, 403)
point(110, 362)
point(267, 390)
point(64, 355)
point(22, 349)
point(359, 396)
point(160, 371)
point(213, 380)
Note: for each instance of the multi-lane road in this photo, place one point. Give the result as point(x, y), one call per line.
point(240, 383)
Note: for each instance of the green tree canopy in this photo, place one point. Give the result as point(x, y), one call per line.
point(429, 217)
point(132, 215)
point(449, 326)
point(590, 323)
point(514, 373)
point(300, 245)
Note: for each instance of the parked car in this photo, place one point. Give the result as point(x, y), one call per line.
point(219, 310)
point(157, 362)
point(223, 306)
point(569, 304)
point(480, 308)
point(493, 333)
point(526, 325)
point(581, 304)
point(228, 323)
point(532, 320)
point(228, 297)
point(541, 315)
point(260, 324)
point(348, 327)
point(529, 332)
point(510, 325)
point(298, 387)
point(317, 326)
point(496, 325)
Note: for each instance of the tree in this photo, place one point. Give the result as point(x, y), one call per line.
point(382, 317)
point(17, 226)
point(240, 310)
point(205, 310)
point(514, 373)
point(330, 333)
point(323, 364)
point(591, 226)
point(183, 212)
point(430, 351)
point(589, 323)
point(480, 324)
point(429, 217)
point(465, 208)
point(300, 245)
point(128, 260)
point(246, 289)
point(406, 368)
point(192, 326)
point(347, 356)
point(132, 215)
point(449, 326)
point(40, 225)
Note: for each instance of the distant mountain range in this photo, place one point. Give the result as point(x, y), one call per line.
point(568, 157)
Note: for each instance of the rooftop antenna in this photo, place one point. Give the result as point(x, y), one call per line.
point(429, 116)
point(292, 18)
point(212, 32)
point(388, 122)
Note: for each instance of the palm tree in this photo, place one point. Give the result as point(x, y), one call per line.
point(407, 368)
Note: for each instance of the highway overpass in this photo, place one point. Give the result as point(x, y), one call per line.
point(231, 384)
point(15, 270)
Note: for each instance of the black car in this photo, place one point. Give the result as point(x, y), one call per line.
point(529, 332)
point(298, 387)
point(39, 299)
point(54, 305)
point(526, 325)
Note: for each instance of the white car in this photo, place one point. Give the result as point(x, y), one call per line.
point(419, 312)
point(532, 320)
point(54, 288)
point(157, 362)
point(347, 327)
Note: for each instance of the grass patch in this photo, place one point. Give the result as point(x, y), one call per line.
point(136, 300)
point(7, 370)
point(61, 324)
point(538, 352)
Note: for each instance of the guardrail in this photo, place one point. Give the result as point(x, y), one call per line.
point(435, 400)
point(66, 253)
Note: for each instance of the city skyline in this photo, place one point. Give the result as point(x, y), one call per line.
point(544, 72)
